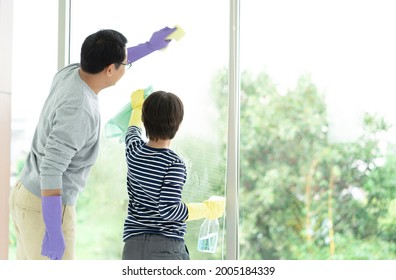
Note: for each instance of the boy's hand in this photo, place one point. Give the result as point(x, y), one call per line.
point(216, 207)
point(137, 99)
point(211, 209)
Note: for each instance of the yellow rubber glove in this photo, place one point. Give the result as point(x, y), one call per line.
point(211, 209)
point(137, 99)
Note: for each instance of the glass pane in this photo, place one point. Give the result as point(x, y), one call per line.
point(34, 64)
point(317, 130)
point(187, 68)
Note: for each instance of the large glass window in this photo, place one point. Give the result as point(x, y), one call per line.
point(34, 60)
point(187, 68)
point(317, 130)
point(35, 42)
point(317, 143)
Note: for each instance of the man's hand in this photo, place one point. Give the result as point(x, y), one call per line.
point(53, 245)
point(158, 39)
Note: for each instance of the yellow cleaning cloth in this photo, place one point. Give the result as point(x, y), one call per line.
point(177, 34)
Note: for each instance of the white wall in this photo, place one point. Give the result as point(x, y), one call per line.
point(6, 15)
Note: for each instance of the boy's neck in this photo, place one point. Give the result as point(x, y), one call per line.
point(159, 144)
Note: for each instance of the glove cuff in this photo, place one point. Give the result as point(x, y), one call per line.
point(136, 117)
point(197, 211)
point(139, 51)
point(52, 206)
point(52, 211)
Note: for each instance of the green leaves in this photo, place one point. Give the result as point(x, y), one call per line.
point(297, 188)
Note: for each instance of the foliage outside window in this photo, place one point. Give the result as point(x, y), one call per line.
point(302, 196)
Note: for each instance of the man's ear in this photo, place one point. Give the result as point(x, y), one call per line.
point(110, 70)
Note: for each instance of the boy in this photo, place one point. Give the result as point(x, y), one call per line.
point(155, 225)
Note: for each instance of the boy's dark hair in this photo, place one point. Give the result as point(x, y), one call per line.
point(162, 114)
point(101, 49)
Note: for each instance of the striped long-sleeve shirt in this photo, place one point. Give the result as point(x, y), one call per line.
point(155, 182)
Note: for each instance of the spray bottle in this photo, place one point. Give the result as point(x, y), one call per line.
point(209, 233)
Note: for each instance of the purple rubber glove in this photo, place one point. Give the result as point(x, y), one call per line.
point(157, 41)
point(53, 243)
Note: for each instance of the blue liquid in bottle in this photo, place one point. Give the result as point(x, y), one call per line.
point(208, 236)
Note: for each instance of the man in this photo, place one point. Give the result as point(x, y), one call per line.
point(66, 143)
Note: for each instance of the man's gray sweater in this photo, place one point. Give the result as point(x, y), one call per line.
point(66, 141)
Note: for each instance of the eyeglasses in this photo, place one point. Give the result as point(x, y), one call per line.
point(127, 65)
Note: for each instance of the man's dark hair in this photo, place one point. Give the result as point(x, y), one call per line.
point(162, 114)
point(101, 49)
